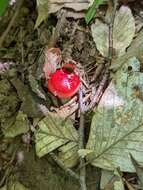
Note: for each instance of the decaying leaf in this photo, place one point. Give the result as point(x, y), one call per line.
point(56, 133)
point(65, 111)
point(139, 170)
point(123, 32)
point(20, 126)
point(9, 100)
point(76, 5)
point(52, 61)
point(32, 105)
point(76, 9)
point(36, 88)
point(111, 180)
point(13, 185)
point(116, 131)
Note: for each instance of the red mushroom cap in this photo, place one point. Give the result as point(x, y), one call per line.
point(64, 83)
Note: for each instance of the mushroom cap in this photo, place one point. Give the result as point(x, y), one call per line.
point(64, 83)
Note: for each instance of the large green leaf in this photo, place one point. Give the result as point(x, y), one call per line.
point(56, 133)
point(117, 126)
point(123, 32)
point(3, 6)
point(43, 11)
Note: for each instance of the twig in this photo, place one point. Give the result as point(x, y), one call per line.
point(61, 165)
point(97, 72)
point(81, 142)
point(99, 93)
point(5, 33)
point(110, 50)
point(8, 168)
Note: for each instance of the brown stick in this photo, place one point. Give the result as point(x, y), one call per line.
point(5, 33)
point(97, 72)
point(61, 165)
point(111, 24)
point(98, 94)
point(81, 142)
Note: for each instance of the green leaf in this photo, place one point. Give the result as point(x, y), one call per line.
point(3, 6)
point(117, 126)
point(43, 11)
point(20, 126)
point(123, 32)
point(56, 133)
point(92, 10)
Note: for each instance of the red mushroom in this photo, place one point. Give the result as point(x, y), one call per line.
point(64, 83)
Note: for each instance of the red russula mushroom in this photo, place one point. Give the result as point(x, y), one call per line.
point(64, 83)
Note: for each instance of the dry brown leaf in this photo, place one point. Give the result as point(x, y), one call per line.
point(52, 60)
point(65, 111)
point(76, 7)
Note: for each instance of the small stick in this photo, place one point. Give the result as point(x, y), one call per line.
point(5, 33)
point(97, 72)
point(111, 24)
point(61, 165)
point(99, 93)
point(8, 168)
point(81, 142)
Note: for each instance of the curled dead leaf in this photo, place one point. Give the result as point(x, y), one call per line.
point(76, 8)
point(52, 61)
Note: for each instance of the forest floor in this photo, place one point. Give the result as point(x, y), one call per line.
point(21, 63)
